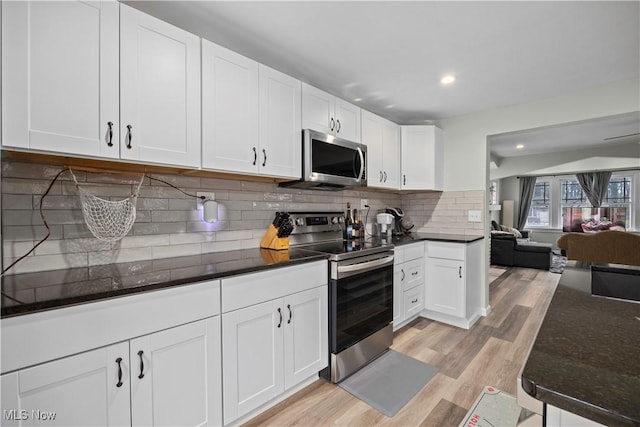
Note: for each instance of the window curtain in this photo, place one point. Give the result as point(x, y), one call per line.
point(594, 185)
point(527, 185)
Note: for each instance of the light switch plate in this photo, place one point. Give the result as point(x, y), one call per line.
point(475, 216)
point(207, 196)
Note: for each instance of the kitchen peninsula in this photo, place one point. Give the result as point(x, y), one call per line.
point(585, 357)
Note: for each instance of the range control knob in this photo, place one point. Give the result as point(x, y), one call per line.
point(299, 221)
point(337, 220)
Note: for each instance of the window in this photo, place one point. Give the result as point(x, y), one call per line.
point(572, 194)
point(539, 211)
point(618, 196)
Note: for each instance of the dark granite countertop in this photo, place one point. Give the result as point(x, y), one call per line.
point(33, 292)
point(586, 356)
point(439, 237)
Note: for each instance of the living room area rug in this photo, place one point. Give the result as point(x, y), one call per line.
point(493, 408)
point(389, 382)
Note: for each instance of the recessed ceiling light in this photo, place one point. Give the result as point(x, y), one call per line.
point(520, 146)
point(390, 106)
point(357, 100)
point(448, 79)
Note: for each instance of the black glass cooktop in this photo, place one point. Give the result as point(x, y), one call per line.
point(345, 249)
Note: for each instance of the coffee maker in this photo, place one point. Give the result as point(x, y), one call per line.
point(398, 214)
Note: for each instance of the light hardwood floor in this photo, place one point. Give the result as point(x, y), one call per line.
point(492, 353)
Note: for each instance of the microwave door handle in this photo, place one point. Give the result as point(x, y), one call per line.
point(361, 162)
point(365, 266)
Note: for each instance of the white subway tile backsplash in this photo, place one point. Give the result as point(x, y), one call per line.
point(176, 250)
point(169, 223)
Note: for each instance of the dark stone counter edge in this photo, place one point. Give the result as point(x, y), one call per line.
point(37, 307)
point(578, 407)
point(451, 238)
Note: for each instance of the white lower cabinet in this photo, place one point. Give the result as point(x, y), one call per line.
point(408, 283)
point(176, 377)
point(170, 377)
point(78, 390)
point(152, 358)
point(453, 285)
point(269, 346)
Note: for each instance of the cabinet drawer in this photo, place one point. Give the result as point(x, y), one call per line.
point(249, 289)
point(447, 250)
point(413, 251)
point(413, 301)
point(414, 273)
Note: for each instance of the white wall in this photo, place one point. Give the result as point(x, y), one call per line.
point(465, 137)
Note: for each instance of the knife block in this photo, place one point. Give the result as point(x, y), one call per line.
point(270, 240)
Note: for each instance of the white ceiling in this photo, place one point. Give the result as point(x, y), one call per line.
point(392, 54)
point(609, 131)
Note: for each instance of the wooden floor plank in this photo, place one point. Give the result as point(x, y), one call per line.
point(492, 353)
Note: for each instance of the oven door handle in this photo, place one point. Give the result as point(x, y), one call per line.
point(365, 266)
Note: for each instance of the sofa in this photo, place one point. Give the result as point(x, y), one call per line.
point(509, 250)
point(616, 247)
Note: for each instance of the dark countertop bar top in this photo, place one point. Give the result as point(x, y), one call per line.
point(586, 357)
point(439, 237)
point(33, 292)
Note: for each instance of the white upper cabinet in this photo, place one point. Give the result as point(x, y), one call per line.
point(159, 91)
point(422, 158)
point(230, 131)
point(60, 77)
point(280, 124)
point(383, 151)
point(251, 116)
point(324, 112)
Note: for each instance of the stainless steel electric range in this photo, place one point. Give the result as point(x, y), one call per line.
point(360, 290)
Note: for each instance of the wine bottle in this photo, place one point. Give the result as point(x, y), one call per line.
point(348, 224)
point(356, 225)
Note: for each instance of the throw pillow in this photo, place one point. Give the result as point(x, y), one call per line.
point(513, 231)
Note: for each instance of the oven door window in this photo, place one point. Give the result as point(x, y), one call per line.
point(335, 160)
point(361, 305)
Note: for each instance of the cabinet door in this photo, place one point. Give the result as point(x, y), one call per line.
point(372, 135)
point(229, 110)
point(347, 120)
point(60, 77)
point(422, 152)
point(252, 355)
point(445, 286)
point(318, 110)
point(280, 124)
point(80, 390)
point(181, 376)
point(398, 298)
point(390, 155)
point(306, 335)
point(159, 91)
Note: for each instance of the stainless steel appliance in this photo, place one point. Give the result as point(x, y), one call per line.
point(330, 163)
point(360, 291)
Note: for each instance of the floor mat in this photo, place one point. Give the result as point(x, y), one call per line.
point(389, 382)
point(492, 408)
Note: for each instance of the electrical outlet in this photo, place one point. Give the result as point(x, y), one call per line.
point(207, 196)
point(363, 203)
point(475, 216)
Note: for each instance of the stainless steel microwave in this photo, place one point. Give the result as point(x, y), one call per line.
point(330, 163)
